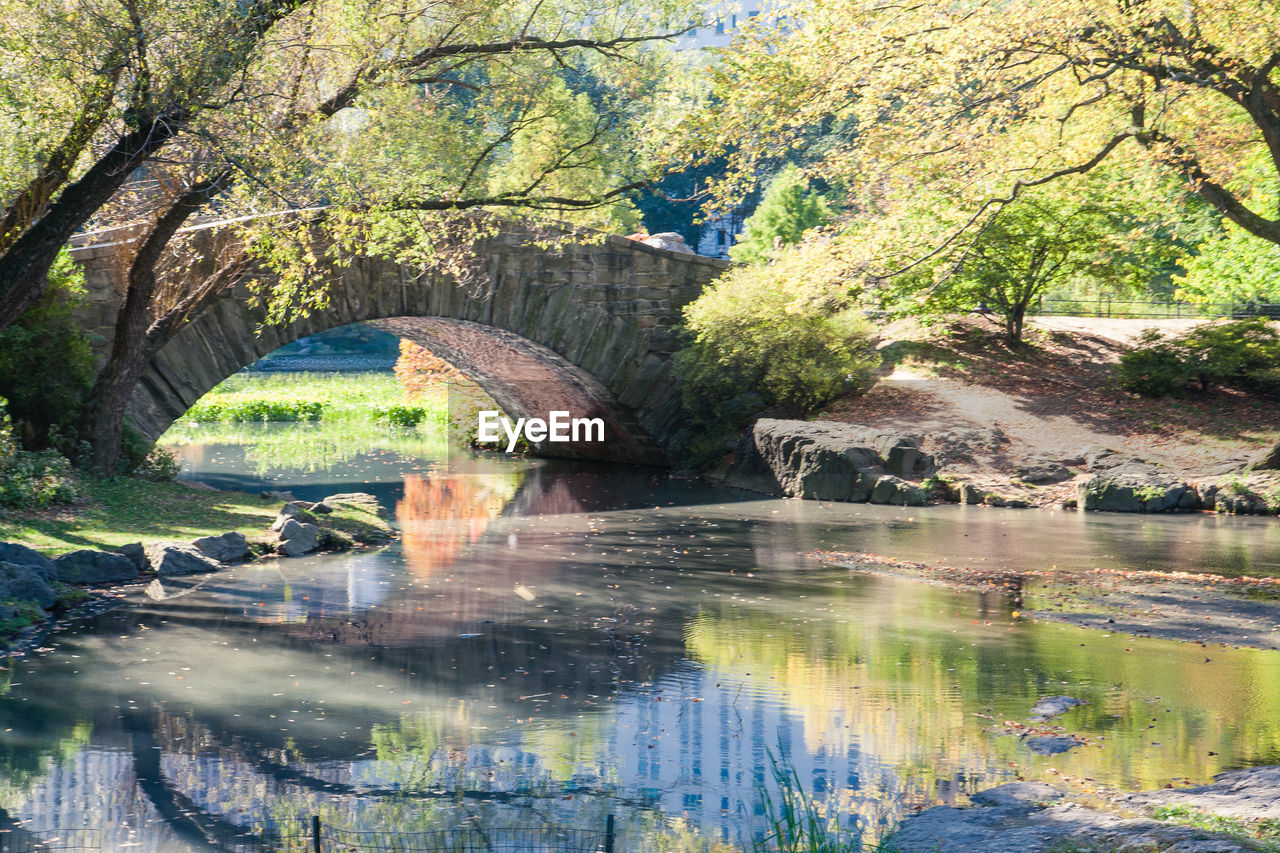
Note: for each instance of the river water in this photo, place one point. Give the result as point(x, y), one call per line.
point(554, 643)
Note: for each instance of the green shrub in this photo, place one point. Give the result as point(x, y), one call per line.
point(160, 465)
point(134, 449)
point(405, 416)
point(767, 338)
point(1154, 367)
point(1243, 353)
point(46, 363)
point(31, 480)
point(256, 409)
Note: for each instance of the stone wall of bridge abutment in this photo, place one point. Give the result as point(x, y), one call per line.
point(596, 321)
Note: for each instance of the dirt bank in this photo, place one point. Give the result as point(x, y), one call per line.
point(1046, 404)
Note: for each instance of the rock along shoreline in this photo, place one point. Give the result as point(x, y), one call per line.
point(836, 461)
point(44, 595)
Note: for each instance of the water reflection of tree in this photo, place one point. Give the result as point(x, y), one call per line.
point(903, 690)
point(442, 513)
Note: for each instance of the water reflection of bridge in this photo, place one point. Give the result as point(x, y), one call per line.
point(394, 687)
point(641, 673)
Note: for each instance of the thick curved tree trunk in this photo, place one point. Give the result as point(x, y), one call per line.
point(102, 423)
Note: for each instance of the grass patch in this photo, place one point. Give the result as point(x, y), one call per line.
point(1265, 834)
point(123, 510)
point(301, 397)
point(357, 520)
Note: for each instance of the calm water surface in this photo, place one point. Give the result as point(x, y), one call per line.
point(551, 642)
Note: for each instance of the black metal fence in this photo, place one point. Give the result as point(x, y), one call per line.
point(544, 840)
point(22, 841)
point(1153, 310)
point(313, 836)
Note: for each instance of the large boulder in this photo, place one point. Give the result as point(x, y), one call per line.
point(25, 583)
point(669, 240)
point(1250, 794)
point(171, 559)
point(897, 492)
point(824, 460)
point(21, 555)
point(226, 548)
point(1137, 486)
point(298, 538)
point(95, 567)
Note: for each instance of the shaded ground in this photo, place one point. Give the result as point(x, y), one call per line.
point(1053, 397)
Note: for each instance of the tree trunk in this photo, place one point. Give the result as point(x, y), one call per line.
point(102, 423)
point(1013, 324)
point(24, 268)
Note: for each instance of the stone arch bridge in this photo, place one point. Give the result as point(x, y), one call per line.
point(587, 328)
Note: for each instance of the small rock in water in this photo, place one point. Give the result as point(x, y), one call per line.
point(1052, 706)
point(1050, 744)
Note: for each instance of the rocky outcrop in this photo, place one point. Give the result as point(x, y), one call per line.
point(1252, 794)
point(173, 559)
point(1032, 817)
point(95, 567)
point(335, 523)
point(1134, 485)
point(836, 461)
point(830, 461)
point(227, 548)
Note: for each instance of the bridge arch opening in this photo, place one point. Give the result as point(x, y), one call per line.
point(525, 379)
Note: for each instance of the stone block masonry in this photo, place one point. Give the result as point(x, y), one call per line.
point(589, 327)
